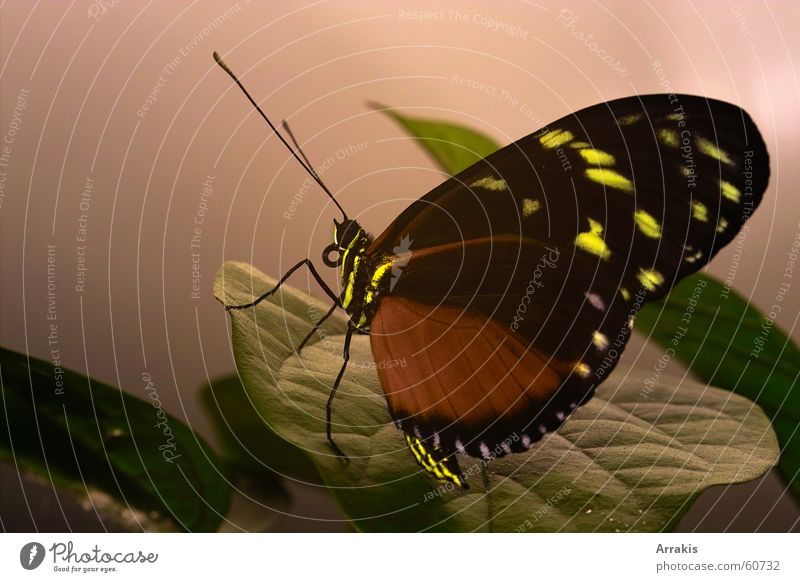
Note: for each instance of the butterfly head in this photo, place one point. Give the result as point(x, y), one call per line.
point(347, 235)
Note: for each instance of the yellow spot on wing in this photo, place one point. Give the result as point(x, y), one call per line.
point(675, 116)
point(625, 294)
point(650, 279)
point(530, 206)
point(694, 258)
point(490, 183)
point(647, 224)
point(629, 119)
point(722, 224)
point(579, 144)
point(609, 178)
point(598, 157)
point(600, 340)
point(709, 148)
point(700, 211)
point(730, 191)
point(583, 370)
point(555, 138)
point(592, 242)
point(668, 137)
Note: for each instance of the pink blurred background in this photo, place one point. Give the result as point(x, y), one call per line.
point(79, 75)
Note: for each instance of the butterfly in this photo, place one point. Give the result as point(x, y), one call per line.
point(509, 291)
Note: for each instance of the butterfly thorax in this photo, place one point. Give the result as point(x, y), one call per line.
point(365, 278)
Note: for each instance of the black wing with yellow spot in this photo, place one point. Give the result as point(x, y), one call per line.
point(633, 193)
point(640, 179)
point(563, 234)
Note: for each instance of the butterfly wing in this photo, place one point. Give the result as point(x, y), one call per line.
point(486, 368)
point(558, 239)
point(465, 381)
point(698, 167)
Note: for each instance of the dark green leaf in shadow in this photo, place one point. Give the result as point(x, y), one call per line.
point(256, 505)
point(728, 343)
point(452, 146)
point(126, 457)
point(255, 458)
point(250, 446)
point(630, 460)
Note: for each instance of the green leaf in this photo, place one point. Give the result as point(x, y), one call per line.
point(256, 505)
point(452, 146)
point(250, 446)
point(628, 460)
point(728, 343)
point(130, 459)
point(253, 456)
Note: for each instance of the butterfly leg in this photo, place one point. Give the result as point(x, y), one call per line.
point(311, 268)
point(329, 407)
point(317, 326)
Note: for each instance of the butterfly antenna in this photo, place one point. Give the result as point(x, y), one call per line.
point(307, 168)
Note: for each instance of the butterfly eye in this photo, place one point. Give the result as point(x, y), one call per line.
point(326, 256)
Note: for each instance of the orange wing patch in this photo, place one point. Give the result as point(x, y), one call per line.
point(461, 381)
